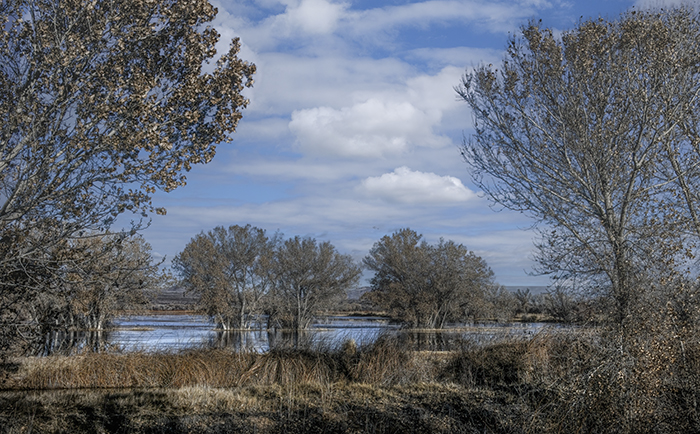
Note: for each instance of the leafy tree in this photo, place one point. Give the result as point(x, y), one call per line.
point(309, 276)
point(425, 285)
point(231, 271)
point(102, 103)
point(594, 135)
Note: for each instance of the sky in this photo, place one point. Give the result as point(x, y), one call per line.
point(354, 128)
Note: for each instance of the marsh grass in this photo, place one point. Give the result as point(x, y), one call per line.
point(559, 381)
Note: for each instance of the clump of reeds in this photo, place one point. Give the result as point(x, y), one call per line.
point(384, 362)
point(215, 368)
point(500, 363)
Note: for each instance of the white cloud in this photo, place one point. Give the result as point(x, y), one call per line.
point(300, 18)
point(315, 16)
point(406, 186)
point(372, 128)
point(381, 124)
point(286, 82)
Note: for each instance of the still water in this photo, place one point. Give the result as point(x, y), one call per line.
point(168, 332)
point(176, 332)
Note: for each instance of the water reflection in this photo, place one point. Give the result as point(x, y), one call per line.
point(176, 332)
point(70, 342)
point(238, 340)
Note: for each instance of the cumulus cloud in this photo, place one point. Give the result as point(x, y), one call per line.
point(372, 128)
point(310, 17)
point(286, 82)
point(380, 124)
point(404, 185)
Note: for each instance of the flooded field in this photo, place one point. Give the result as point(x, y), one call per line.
point(165, 332)
point(172, 332)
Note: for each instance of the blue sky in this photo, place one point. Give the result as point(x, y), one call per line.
point(353, 128)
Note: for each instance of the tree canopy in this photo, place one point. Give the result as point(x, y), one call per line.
point(240, 274)
point(424, 285)
point(231, 271)
point(103, 102)
point(309, 277)
point(594, 135)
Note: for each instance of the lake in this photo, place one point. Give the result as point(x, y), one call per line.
point(172, 332)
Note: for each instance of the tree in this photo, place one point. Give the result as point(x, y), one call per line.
point(79, 285)
point(231, 271)
point(108, 276)
point(102, 103)
point(309, 276)
point(425, 285)
point(594, 136)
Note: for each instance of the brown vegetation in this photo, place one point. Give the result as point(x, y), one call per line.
point(573, 381)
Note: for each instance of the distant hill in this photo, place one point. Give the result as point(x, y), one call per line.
point(534, 290)
point(174, 298)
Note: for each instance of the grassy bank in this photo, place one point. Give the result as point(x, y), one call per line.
point(557, 382)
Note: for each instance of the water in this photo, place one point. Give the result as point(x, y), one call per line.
point(168, 332)
point(172, 332)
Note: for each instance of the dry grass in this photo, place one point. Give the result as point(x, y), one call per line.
point(560, 382)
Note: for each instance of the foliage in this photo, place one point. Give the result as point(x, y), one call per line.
point(109, 276)
point(231, 271)
point(425, 285)
point(309, 276)
point(102, 103)
point(241, 274)
point(594, 135)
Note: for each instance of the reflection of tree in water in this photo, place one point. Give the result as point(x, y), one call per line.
point(246, 340)
point(289, 339)
point(70, 342)
point(238, 340)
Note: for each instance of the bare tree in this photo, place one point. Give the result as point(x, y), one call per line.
point(231, 271)
point(579, 132)
point(108, 276)
point(79, 284)
point(425, 285)
point(309, 277)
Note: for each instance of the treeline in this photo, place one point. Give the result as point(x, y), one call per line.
point(240, 274)
point(242, 277)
